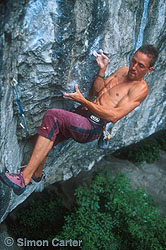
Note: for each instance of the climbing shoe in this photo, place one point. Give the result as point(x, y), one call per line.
point(35, 179)
point(15, 181)
point(38, 179)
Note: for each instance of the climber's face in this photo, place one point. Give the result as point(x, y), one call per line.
point(139, 66)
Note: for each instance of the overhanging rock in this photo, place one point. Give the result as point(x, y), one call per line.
point(47, 47)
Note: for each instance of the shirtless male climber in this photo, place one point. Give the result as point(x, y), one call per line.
point(115, 96)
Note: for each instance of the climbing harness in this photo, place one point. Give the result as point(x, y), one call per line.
point(22, 119)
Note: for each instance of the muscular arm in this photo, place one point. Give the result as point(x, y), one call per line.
point(100, 83)
point(135, 96)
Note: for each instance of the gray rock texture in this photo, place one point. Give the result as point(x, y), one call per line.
point(47, 47)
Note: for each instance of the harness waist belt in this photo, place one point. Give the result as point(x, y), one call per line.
point(91, 117)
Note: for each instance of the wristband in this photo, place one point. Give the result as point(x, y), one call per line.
point(100, 76)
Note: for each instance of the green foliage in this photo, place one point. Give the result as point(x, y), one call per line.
point(39, 218)
point(111, 215)
point(162, 143)
point(147, 150)
point(107, 215)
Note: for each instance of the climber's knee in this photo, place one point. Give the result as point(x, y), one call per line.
point(49, 127)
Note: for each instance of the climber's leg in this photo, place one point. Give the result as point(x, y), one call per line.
point(43, 145)
point(38, 173)
point(58, 125)
point(19, 181)
point(41, 149)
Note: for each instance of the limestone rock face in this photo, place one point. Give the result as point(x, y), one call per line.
point(47, 47)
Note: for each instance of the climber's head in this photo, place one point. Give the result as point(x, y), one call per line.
point(150, 51)
point(142, 62)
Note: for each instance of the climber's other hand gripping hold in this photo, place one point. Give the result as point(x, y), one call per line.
point(76, 96)
point(101, 59)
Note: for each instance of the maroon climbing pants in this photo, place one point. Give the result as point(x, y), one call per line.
point(59, 125)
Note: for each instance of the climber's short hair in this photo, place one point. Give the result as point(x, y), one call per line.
point(150, 51)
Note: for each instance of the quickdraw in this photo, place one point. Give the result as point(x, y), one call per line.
point(106, 134)
point(103, 142)
point(22, 119)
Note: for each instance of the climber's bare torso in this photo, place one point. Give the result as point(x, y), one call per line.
point(118, 94)
point(116, 87)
